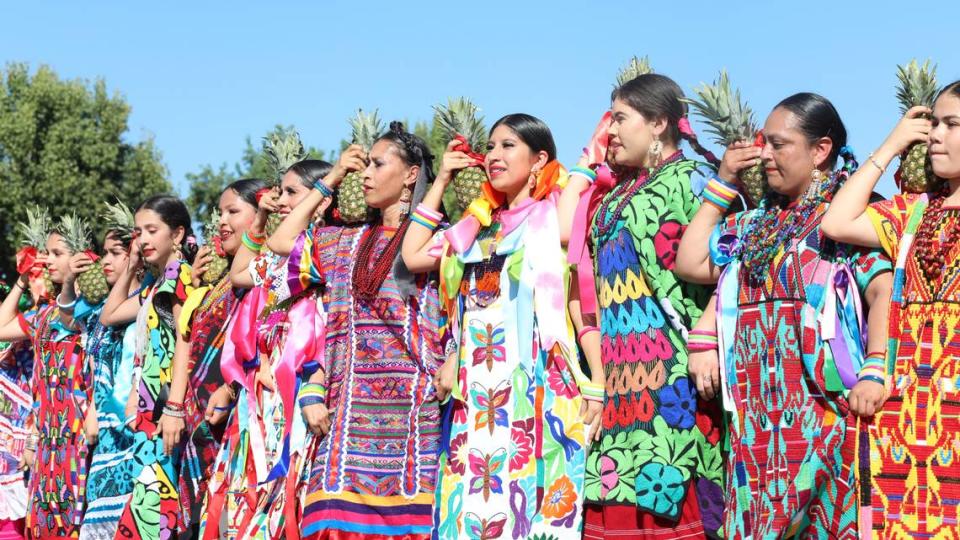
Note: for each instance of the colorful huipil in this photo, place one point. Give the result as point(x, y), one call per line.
point(61, 389)
point(153, 509)
point(515, 463)
point(657, 471)
point(373, 476)
point(915, 438)
point(790, 347)
point(110, 480)
point(203, 320)
point(16, 369)
point(261, 459)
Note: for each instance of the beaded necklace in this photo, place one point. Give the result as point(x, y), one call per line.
point(932, 247)
point(605, 220)
point(366, 280)
point(481, 282)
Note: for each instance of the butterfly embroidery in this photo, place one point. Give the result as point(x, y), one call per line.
point(488, 341)
point(486, 469)
point(491, 403)
point(485, 529)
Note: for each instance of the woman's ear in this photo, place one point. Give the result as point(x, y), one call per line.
point(822, 148)
point(412, 174)
point(542, 159)
point(658, 127)
point(178, 235)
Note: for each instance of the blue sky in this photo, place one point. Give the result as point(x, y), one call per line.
point(201, 76)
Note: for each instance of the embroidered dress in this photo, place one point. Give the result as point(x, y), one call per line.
point(110, 481)
point(916, 436)
point(61, 389)
point(657, 470)
point(254, 478)
point(203, 319)
point(153, 510)
point(790, 348)
point(516, 457)
point(374, 475)
point(16, 369)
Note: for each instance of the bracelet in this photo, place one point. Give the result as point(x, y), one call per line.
point(592, 391)
point(174, 413)
point(720, 193)
point(426, 217)
point(702, 340)
point(252, 243)
point(589, 174)
point(452, 347)
point(873, 160)
point(323, 188)
point(129, 420)
point(66, 306)
point(586, 330)
point(873, 378)
point(173, 406)
point(222, 409)
point(312, 394)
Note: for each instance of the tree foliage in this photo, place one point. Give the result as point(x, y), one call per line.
point(63, 146)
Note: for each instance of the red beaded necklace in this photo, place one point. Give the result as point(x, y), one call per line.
point(366, 280)
point(930, 254)
point(605, 220)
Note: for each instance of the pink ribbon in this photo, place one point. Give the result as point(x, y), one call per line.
point(577, 252)
point(241, 344)
point(462, 235)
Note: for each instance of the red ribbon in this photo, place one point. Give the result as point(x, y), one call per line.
point(464, 147)
point(27, 262)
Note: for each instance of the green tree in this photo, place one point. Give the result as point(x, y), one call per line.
point(207, 183)
point(62, 146)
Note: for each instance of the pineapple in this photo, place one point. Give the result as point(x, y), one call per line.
point(218, 264)
point(634, 68)
point(459, 117)
point(917, 86)
point(92, 284)
point(34, 234)
point(730, 119)
point(119, 220)
point(283, 150)
point(353, 209)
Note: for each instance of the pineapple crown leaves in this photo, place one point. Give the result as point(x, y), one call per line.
point(460, 116)
point(76, 233)
point(917, 84)
point(211, 228)
point(35, 229)
point(365, 128)
point(727, 116)
point(283, 149)
point(636, 67)
point(119, 219)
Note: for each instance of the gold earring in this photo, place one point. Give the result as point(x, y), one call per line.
point(656, 148)
point(405, 197)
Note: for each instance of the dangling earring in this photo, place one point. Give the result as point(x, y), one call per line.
point(533, 179)
point(816, 178)
point(405, 197)
point(656, 148)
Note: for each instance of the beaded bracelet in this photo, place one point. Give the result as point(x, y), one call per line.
point(312, 394)
point(589, 174)
point(426, 217)
point(701, 340)
point(592, 391)
point(323, 188)
point(586, 330)
point(873, 161)
point(720, 194)
point(252, 243)
point(173, 406)
point(174, 413)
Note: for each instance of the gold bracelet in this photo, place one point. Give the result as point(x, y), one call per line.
point(875, 164)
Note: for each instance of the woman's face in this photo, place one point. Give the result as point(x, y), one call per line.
point(292, 191)
point(631, 135)
point(158, 241)
point(510, 161)
point(236, 215)
point(788, 157)
point(386, 175)
point(114, 258)
point(58, 258)
point(944, 142)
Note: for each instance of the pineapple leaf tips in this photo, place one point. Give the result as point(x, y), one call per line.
point(35, 229)
point(634, 68)
point(727, 116)
point(460, 116)
point(283, 149)
point(365, 128)
point(917, 84)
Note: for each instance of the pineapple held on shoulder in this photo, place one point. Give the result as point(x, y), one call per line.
point(92, 283)
point(283, 150)
point(218, 258)
point(33, 242)
point(729, 119)
point(365, 128)
point(459, 117)
point(917, 86)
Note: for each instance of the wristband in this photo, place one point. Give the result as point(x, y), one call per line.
point(173, 406)
point(701, 340)
point(426, 217)
point(311, 394)
point(592, 391)
point(720, 194)
point(323, 188)
point(589, 174)
point(873, 378)
point(174, 413)
point(66, 306)
point(586, 330)
point(252, 243)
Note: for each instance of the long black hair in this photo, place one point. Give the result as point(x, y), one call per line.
point(173, 212)
point(532, 131)
point(818, 118)
point(246, 189)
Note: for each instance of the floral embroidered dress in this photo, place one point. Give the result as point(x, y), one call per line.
point(260, 462)
point(153, 510)
point(16, 369)
point(374, 474)
point(516, 458)
point(110, 481)
point(61, 389)
point(915, 438)
point(790, 348)
point(657, 471)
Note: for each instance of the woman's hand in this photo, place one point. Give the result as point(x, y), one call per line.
point(80, 263)
point(353, 159)
point(446, 377)
point(219, 406)
point(171, 429)
point(590, 412)
point(739, 156)
point(704, 369)
point(134, 260)
point(317, 418)
point(90, 426)
point(913, 128)
point(866, 398)
point(453, 161)
point(27, 460)
point(200, 264)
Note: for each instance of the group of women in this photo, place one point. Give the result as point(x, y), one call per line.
point(624, 349)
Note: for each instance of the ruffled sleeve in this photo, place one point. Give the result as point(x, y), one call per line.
point(311, 258)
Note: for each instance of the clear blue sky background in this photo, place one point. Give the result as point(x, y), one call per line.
point(201, 76)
